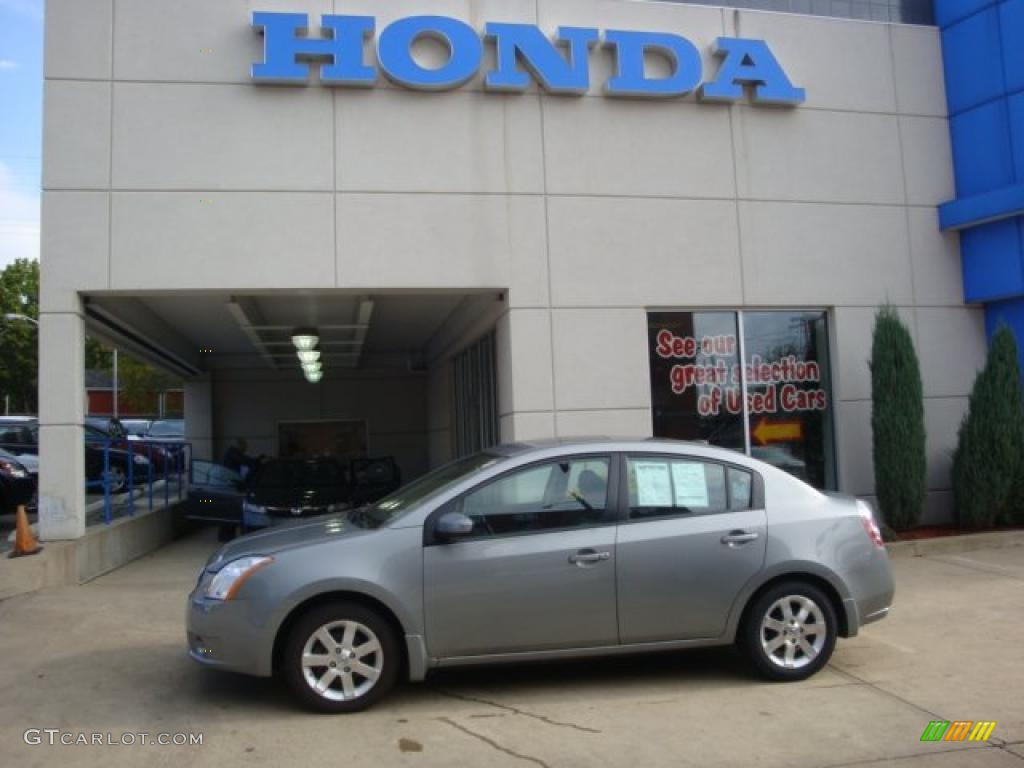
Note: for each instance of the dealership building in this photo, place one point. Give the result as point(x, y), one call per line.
point(502, 220)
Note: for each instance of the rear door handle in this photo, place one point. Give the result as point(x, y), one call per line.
point(737, 538)
point(588, 557)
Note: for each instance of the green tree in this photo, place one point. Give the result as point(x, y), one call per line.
point(19, 368)
point(897, 422)
point(141, 383)
point(98, 356)
point(989, 460)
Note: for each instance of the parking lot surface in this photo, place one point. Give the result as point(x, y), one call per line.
point(109, 658)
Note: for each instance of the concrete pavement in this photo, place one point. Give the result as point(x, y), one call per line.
point(109, 657)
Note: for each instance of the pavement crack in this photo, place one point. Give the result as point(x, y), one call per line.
point(973, 565)
point(881, 690)
point(888, 759)
point(492, 743)
point(515, 710)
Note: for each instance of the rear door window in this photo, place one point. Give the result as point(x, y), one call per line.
point(662, 487)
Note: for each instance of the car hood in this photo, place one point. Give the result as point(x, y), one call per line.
point(297, 497)
point(289, 535)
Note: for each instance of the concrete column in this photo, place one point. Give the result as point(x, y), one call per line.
point(199, 416)
point(61, 414)
point(525, 383)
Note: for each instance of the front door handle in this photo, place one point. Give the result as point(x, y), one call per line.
point(588, 557)
point(737, 538)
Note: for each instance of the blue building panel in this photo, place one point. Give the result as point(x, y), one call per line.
point(983, 57)
point(992, 264)
point(972, 53)
point(1011, 17)
point(948, 12)
point(1016, 115)
point(981, 149)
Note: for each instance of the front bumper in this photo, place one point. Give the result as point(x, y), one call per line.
point(220, 635)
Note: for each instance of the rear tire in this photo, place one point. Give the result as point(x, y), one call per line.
point(341, 657)
point(789, 631)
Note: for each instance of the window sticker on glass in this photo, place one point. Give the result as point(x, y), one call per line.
point(691, 484)
point(653, 484)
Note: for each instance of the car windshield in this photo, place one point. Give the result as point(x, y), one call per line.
point(431, 483)
point(300, 474)
point(167, 429)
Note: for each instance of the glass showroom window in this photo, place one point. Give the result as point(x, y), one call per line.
point(777, 406)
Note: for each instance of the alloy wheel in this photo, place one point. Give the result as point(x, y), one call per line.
point(342, 660)
point(793, 632)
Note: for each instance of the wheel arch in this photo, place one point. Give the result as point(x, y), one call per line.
point(339, 595)
point(847, 623)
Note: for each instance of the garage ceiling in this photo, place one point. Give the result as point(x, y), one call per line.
point(208, 330)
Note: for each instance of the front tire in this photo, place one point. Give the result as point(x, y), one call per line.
point(789, 631)
point(341, 657)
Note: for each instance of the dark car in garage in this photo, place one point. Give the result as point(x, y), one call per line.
point(287, 489)
point(283, 489)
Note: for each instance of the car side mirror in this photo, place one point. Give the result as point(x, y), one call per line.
point(453, 525)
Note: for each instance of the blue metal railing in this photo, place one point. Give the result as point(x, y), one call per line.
point(115, 466)
point(165, 462)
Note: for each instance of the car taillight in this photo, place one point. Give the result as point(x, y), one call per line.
point(871, 528)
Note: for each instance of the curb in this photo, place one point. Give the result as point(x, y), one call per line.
point(947, 545)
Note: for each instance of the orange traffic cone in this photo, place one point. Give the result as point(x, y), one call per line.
point(24, 540)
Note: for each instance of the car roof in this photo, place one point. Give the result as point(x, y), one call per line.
point(18, 419)
point(550, 446)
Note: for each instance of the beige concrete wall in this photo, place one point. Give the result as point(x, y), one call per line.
point(587, 210)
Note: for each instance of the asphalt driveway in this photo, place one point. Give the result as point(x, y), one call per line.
point(109, 658)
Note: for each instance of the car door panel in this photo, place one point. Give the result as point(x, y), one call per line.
point(537, 571)
point(521, 593)
point(677, 579)
point(693, 534)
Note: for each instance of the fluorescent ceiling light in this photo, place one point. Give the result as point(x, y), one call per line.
point(308, 355)
point(305, 340)
point(313, 377)
point(311, 367)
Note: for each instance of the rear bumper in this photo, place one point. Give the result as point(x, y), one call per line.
point(871, 591)
point(876, 616)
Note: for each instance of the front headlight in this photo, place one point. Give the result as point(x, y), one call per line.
point(229, 579)
point(13, 469)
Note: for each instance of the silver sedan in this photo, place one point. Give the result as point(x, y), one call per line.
point(546, 551)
